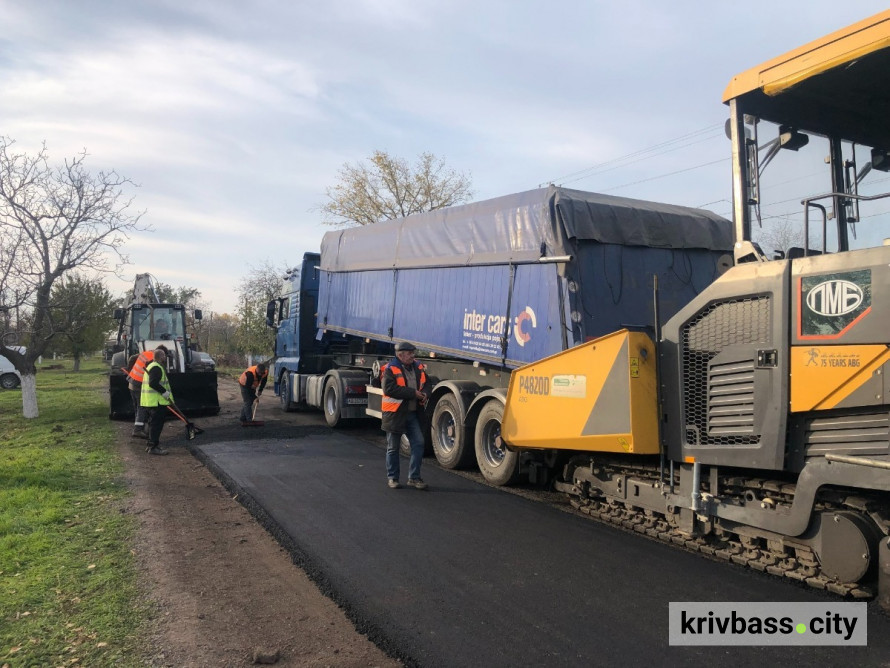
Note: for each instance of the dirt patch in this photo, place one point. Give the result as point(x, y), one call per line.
point(226, 592)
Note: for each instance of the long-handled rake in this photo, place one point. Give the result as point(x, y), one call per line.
point(191, 429)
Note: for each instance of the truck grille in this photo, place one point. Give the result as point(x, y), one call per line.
point(718, 399)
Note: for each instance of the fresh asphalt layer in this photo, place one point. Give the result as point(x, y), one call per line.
point(468, 575)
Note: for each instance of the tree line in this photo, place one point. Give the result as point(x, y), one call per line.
point(64, 228)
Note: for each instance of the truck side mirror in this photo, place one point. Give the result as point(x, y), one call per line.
point(271, 307)
point(198, 314)
point(118, 314)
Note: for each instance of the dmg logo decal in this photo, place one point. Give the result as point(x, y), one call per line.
point(834, 298)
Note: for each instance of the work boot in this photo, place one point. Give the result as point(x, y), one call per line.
point(155, 450)
point(417, 483)
point(393, 483)
point(139, 433)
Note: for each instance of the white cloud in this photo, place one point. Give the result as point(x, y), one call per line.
point(235, 117)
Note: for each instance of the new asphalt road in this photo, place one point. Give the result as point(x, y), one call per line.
point(467, 575)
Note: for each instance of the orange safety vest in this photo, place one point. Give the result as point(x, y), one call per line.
point(137, 373)
point(256, 381)
point(391, 404)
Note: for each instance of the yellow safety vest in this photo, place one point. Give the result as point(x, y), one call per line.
point(150, 397)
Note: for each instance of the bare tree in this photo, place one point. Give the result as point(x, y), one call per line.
point(386, 187)
point(780, 234)
point(53, 220)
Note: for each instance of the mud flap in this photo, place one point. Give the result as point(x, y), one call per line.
point(884, 574)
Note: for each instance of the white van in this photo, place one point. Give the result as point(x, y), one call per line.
point(9, 377)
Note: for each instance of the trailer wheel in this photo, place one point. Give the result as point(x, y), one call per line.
point(332, 401)
point(449, 434)
point(498, 465)
point(284, 393)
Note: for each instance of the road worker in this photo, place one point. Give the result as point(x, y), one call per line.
point(252, 382)
point(405, 393)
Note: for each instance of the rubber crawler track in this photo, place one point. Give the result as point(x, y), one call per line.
point(797, 563)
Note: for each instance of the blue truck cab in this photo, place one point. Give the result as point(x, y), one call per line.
point(313, 368)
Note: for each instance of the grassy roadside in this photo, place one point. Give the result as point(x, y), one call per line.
point(68, 588)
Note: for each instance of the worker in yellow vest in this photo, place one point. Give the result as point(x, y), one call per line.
point(136, 371)
point(156, 396)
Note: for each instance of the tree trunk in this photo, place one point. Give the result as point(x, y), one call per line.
point(76, 363)
point(29, 395)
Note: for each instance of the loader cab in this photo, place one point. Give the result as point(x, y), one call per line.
point(150, 322)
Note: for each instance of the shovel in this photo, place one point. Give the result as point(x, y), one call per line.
point(191, 430)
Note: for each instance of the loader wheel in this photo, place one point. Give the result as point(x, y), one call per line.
point(498, 465)
point(332, 401)
point(449, 434)
point(284, 394)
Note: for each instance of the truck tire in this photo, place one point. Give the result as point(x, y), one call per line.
point(331, 401)
point(9, 381)
point(497, 465)
point(448, 433)
point(284, 393)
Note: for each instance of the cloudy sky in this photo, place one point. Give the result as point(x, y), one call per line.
point(234, 117)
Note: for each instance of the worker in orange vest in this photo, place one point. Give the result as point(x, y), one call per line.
point(405, 394)
point(252, 383)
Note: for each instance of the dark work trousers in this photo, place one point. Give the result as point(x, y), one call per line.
point(156, 417)
point(248, 396)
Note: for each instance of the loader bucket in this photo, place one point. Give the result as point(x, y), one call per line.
point(120, 400)
point(195, 392)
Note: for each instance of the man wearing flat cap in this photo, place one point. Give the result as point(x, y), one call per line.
point(405, 393)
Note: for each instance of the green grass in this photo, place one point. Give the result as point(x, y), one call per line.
point(68, 587)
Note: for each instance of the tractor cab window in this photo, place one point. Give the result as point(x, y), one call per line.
point(167, 324)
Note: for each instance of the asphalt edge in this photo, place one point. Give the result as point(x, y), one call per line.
point(298, 556)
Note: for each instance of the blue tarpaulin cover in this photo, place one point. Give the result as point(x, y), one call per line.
point(467, 280)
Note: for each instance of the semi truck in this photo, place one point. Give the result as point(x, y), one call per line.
point(654, 362)
point(482, 289)
point(145, 324)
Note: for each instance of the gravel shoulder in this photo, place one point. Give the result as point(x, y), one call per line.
point(225, 592)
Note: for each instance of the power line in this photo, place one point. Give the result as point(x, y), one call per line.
point(663, 147)
point(664, 176)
